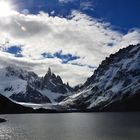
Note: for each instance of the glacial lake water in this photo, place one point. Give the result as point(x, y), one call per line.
point(71, 126)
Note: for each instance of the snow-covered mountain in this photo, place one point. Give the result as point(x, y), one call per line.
point(114, 86)
point(23, 86)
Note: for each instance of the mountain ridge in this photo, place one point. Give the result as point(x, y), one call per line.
point(117, 78)
point(23, 86)
point(114, 86)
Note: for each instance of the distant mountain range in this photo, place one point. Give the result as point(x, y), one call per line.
point(114, 86)
point(23, 86)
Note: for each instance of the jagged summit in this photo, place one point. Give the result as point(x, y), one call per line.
point(26, 86)
point(114, 86)
point(54, 83)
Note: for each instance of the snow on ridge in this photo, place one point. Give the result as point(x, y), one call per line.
point(117, 75)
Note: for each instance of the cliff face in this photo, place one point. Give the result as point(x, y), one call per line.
point(115, 84)
point(24, 86)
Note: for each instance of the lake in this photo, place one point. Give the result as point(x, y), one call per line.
point(71, 126)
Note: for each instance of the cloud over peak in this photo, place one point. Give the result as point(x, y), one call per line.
point(80, 41)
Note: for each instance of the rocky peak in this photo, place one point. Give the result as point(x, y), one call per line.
point(115, 84)
point(54, 83)
point(111, 61)
point(29, 76)
point(48, 75)
point(59, 80)
point(26, 86)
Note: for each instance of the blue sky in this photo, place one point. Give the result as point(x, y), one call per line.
point(70, 36)
point(122, 14)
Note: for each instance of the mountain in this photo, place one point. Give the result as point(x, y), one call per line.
point(24, 86)
point(54, 83)
point(114, 86)
point(7, 106)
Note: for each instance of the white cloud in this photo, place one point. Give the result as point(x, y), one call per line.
point(81, 36)
point(87, 5)
point(65, 1)
point(25, 11)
